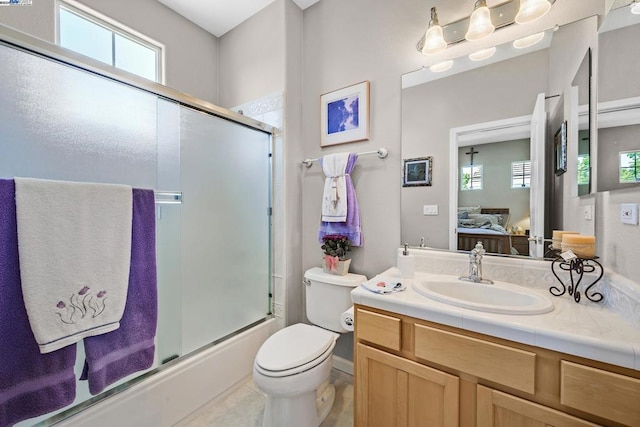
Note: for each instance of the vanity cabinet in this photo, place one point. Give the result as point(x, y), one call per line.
point(412, 372)
point(499, 409)
point(394, 391)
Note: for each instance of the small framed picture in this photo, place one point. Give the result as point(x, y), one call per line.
point(417, 172)
point(344, 115)
point(560, 145)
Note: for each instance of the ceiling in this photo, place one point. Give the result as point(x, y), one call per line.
point(220, 16)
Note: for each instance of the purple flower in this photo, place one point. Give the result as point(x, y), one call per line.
point(61, 304)
point(83, 290)
point(101, 294)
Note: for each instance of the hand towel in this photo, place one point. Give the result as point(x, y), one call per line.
point(74, 241)
point(112, 356)
point(334, 196)
point(31, 384)
point(380, 285)
point(351, 227)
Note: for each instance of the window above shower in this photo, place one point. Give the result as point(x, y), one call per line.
point(97, 36)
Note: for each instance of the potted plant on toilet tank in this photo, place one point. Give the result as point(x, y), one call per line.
point(335, 247)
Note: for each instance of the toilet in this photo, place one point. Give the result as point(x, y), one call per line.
point(293, 366)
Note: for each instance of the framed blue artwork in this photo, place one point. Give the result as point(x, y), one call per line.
point(344, 115)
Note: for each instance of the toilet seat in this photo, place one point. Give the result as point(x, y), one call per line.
point(294, 349)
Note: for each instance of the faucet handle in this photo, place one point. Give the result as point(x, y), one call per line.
point(478, 249)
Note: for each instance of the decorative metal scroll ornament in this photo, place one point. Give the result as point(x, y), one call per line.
point(577, 267)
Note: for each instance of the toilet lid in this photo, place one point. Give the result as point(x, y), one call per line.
point(294, 346)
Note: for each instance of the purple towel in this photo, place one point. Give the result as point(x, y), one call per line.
point(130, 348)
point(31, 384)
point(351, 227)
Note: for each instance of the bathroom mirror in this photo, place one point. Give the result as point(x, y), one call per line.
point(619, 101)
point(582, 81)
point(486, 98)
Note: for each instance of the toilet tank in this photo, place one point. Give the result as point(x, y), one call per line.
point(328, 296)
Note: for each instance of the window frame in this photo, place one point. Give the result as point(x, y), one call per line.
point(524, 174)
point(114, 27)
point(480, 173)
point(635, 167)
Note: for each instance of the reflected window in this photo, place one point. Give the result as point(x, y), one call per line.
point(629, 167)
point(521, 174)
point(584, 168)
point(87, 32)
point(471, 177)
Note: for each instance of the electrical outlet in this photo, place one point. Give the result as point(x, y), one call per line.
point(629, 213)
point(430, 210)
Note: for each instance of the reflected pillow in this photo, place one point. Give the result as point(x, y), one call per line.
point(492, 218)
point(469, 209)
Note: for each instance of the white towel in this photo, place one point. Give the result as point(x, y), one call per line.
point(334, 197)
point(74, 242)
point(381, 285)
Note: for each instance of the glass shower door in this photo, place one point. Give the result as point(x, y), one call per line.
point(225, 179)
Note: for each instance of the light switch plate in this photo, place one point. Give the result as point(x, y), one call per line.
point(588, 212)
point(430, 210)
point(629, 213)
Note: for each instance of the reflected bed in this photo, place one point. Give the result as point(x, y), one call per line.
point(487, 225)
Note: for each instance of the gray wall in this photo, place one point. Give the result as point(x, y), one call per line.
point(618, 73)
point(497, 91)
point(611, 141)
point(252, 57)
point(191, 53)
point(346, 43)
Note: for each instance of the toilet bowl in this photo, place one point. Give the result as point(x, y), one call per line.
point(293, 366)
point(290, 368)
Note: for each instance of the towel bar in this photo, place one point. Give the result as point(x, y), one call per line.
point(168, 197)
point(381, 152)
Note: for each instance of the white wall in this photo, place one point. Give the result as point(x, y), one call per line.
point(191, 53)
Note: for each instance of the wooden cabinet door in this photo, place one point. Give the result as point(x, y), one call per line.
point(500, 409)
point(396, 392)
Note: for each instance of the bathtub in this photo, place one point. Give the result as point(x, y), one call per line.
point(168, 396)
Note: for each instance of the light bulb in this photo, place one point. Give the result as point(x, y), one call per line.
point(433, 41)
point(433, 38)
point(530, 10)
point(480, 24)
point(635, 8)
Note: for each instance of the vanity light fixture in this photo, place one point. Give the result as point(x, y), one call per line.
point(530, 10)
point(528, 41)
point(635, 7)
point(483, 54)
point(433, 38)
point(480, 24)
point(441, 66)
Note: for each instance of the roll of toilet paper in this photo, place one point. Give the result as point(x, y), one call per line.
point(347, 319)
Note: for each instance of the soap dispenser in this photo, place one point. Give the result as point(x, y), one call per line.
point(406, 264)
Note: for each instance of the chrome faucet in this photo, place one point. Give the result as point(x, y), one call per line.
point(475, 265)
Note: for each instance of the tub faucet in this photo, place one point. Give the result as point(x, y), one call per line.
point(475, 265)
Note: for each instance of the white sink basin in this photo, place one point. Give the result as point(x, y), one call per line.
point(500, 297)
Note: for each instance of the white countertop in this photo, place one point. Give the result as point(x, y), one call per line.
point(587, 330)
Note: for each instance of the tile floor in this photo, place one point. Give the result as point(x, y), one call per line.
point(244, 406)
